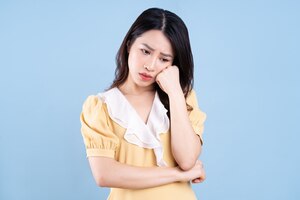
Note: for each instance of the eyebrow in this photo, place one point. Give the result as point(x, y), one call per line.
point(164, 54)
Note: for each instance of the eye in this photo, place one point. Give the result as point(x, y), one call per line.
point(146, 52)
point(164, 60)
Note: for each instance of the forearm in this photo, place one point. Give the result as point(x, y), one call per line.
point(186, 145)
point(110, 173)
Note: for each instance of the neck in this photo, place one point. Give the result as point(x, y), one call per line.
point(133, 89)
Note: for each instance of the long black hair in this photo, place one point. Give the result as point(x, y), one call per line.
point(175, 30)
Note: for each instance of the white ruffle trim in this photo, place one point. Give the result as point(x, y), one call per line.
point(137, 132)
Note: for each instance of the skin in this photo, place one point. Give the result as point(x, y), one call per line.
point(153, 50)
point(182, 132)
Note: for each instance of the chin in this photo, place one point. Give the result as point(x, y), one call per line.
point(143, 84)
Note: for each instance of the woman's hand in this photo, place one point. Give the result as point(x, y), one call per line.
point(168, 79)
point(196, 174)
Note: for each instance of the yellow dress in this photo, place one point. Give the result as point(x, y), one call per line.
point(103, 136)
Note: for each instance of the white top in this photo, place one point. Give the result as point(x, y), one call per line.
point(142, 134)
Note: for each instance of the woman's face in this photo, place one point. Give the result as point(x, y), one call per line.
point(148, 56)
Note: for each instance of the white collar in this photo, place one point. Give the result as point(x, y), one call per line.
point(137, 132)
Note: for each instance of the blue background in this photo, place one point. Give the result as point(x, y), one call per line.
point(53, 54)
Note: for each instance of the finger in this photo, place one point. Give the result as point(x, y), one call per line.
point(201, 179)
point(174, 67)
point(197, 180)
point(167, 67)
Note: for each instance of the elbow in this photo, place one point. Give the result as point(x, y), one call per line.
point(187, 165)
point(101, 181)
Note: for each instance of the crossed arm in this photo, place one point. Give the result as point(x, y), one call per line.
point(107, 172)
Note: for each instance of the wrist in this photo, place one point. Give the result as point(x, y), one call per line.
point(178, 174)
point(176, 93)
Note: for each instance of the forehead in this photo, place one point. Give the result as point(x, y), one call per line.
point(156, 40)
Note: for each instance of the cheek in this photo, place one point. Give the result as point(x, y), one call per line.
point(163, 66)
point(133, 60)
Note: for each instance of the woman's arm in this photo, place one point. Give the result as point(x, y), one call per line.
point(108, 172)
point(185, 144)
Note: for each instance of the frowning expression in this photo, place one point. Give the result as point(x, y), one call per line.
point(148, 56)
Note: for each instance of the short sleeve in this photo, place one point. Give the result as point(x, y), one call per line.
point(98, 136)
point(197, 117)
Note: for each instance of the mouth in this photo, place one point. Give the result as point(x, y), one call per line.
point(145, 76)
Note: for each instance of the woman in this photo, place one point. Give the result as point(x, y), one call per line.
point(143, 135)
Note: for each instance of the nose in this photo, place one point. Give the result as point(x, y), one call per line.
point(150, 66)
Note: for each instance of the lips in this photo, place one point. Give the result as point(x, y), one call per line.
point(145, 76)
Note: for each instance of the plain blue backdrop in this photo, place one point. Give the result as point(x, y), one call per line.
point(53, 54)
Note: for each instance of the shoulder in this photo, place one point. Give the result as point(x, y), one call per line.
point(91, 102)
point(99, 99)
point(94, 104)
point(193, 102)
point(94, 107)
point(191, 98)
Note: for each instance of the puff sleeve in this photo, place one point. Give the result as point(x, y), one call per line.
point(98, 137)
point(197, 117)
